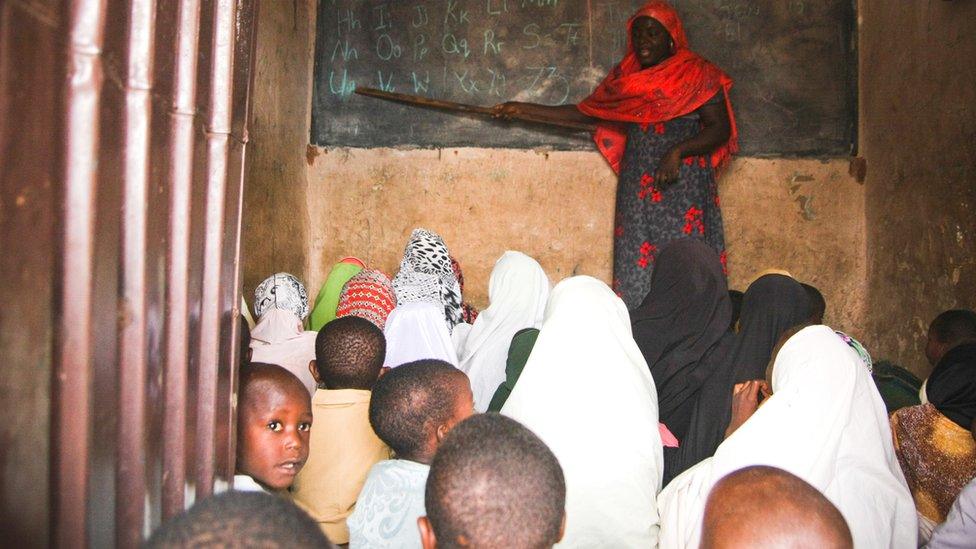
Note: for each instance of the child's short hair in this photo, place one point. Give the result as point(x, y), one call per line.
point(495, 484)
point(954, 325)
point(411, 400)
point(240, 519)
point(765, 506)
point(255, 378)
point(349, 353)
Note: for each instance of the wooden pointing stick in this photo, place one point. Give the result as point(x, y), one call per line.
point(451, 106)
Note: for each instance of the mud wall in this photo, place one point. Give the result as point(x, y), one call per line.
point(276, 225)
point(888, 254)
point(918, 129)
point(307, 207)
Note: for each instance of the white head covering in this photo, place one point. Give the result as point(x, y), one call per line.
point(518, 291)
point(278, 338)
point(825, 423)
point(415, 331)
point(281, 291)
point(587, 393)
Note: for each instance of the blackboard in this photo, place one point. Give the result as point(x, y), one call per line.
point(793, 63)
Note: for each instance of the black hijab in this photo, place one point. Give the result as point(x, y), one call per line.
point(952, 386)
point(772, 305)
point(680, 322)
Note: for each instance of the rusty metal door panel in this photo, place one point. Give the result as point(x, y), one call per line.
point(154, 110)
point(182, 31)
point(72, 380)
point(245, 48)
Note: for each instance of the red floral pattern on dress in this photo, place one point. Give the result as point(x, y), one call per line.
point(647, 253)
point(659, 128)
point(648, 189)
point(702, 162)
point(717, 201)
point(693, 221)
point(619, 231)
point(725, 263)
point(689, 161)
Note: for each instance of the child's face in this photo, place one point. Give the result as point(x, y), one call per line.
point(273, 430)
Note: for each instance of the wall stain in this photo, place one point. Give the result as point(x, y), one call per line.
point(311, 153)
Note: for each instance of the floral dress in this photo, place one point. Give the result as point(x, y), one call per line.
point(649, 216)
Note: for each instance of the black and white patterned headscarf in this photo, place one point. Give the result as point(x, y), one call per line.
point(426, 275)
point(281, 291)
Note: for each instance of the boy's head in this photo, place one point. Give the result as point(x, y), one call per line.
point(349, 353)
point(274, 416)
point(818, 305)
point(240, 519)
point(948, 330)
point(765, 506)
point(493, 483)
point(414, 406)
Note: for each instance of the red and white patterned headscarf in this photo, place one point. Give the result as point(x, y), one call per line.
point(369, 294)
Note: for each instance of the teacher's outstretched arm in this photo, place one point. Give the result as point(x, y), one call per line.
point(567, 113)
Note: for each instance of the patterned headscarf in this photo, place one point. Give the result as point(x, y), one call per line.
point(426, 275)
point(861, 351)
point(281, 291)
point(468, 311)
point(368, 295)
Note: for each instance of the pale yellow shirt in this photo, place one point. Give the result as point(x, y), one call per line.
point(343, 448)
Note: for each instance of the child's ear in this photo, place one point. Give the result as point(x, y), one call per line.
point(315, 371)
point(562, 529)
point(441, 432)
point(427, 537)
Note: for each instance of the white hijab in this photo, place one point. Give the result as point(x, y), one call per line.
point(279, 338)
point(517, 290)
point(416, 331)
point(825, 423)
point(587, 392)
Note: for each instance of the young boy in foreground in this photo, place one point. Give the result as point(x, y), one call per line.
point(413, 407)
point(349, 354)
point(274, 418)
point(494, 483)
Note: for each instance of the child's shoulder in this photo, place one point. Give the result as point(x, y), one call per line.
point(340, 397)
point(398, 470)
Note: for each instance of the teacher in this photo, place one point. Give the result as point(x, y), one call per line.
point(665, 124)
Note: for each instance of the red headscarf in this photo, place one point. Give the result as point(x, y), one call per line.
point(674, 87)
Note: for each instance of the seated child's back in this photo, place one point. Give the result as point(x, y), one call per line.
point(493, 483)
point(413, 408)
point(349, 355)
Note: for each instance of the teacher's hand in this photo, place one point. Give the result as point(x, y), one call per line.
point(668, 168)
